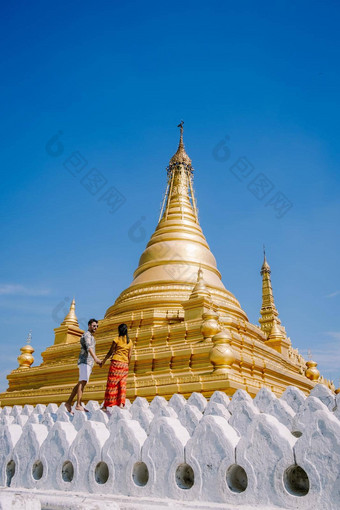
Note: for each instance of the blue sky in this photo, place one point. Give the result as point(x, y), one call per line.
point(257, 85)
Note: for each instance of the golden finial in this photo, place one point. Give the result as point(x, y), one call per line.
point(200, 288)
point(26, 359)
point(181, 157)
point(71, 318)
point(265, 266)
point(180, 125)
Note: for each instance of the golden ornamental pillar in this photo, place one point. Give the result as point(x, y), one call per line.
point(221, 355)
point(210, 325)
point(26, 359)
point(312, 372)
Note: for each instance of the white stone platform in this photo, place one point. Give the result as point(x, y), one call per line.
point(49, 500)
point(264, 453)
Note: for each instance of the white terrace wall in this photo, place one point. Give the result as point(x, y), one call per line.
point(266, 451)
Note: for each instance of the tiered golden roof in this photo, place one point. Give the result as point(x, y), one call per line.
point(189, 332)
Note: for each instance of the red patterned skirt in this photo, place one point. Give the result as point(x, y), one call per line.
point(116, 384)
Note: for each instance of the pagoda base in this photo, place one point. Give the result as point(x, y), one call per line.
point(169, 357)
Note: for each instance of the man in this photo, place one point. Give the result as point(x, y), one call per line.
point(86, 360)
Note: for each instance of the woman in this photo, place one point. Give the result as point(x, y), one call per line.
point(121, 349)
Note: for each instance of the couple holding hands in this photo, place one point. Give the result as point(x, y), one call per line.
point(120, 351)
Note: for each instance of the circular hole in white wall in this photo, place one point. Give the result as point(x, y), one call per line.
point(10, 471)
point(37, 470)
point(297, 433)
point(296, 481)
point(237, 479)
point(185, 476)
point(140, 474)
point(101, 473)
point(67, 471)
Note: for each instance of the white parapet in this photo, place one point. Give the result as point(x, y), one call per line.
point(85, 455)
point(317, 452)
point(209, 453)
point(123, 453)
point(166, 440)
point(9, 436)
point(264, 453)
point(54, 453)
point(26, 456)
point(190, 416)
point(294, 398)
point(243, 414)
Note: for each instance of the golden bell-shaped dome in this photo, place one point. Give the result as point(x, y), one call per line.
point(167, 269)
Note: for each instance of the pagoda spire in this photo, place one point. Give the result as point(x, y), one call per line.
point(71, 318)
point(180, 125)
point(179, 192)
point(180, 156)
point(269, 313)
point(69, 331)
point(269, 320)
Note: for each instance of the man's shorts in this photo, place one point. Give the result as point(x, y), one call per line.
point(84, 372)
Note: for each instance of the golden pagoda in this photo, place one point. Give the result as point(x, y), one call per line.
point(189, 332)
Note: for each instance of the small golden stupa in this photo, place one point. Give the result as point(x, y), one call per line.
point(189, 332)
point(26, 359)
